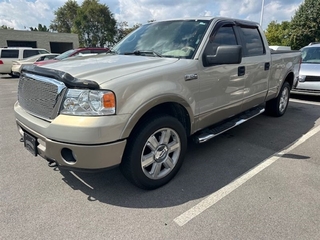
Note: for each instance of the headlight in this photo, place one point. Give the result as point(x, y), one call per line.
point(301, 78)
point(88, 102)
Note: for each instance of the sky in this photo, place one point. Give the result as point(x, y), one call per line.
point(23, 14)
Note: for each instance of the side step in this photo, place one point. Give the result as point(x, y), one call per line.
point(217, 129)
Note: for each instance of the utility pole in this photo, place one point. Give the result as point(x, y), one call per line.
point(262, 10)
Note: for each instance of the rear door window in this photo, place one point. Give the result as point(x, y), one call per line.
point(252, 42)
point(30, 53)
point(6, 53)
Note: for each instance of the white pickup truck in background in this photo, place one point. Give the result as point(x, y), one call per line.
point(136, 106)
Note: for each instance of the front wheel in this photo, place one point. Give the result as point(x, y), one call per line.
point(155, 151)
point(278, 106)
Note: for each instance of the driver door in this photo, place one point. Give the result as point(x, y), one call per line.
point(221, 86)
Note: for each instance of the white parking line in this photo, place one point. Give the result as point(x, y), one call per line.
point(221, 193)
point(306, 102)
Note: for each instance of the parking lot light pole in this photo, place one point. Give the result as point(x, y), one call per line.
point(261, 17)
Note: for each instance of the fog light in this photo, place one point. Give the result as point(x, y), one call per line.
point(68, 156)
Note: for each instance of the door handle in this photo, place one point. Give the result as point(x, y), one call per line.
point(241, 71)
point(267, 66)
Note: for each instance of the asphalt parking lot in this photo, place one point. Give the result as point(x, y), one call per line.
point(260, 180)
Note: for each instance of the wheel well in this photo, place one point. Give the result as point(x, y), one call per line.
point(290, 79)
point(170, 108)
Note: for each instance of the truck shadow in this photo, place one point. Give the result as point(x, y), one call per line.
point(207, 167)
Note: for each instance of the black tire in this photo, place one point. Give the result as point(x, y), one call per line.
point(167, 137)
point(13, 75)
point(277, 107)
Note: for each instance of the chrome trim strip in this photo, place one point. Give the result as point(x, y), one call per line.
point(205, 137)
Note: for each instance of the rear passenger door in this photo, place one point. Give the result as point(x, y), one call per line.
point(256, 63)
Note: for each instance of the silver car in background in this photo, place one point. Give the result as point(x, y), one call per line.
point(309, 75)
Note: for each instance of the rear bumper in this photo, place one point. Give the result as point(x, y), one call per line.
point(77, 156)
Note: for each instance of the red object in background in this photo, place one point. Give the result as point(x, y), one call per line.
point(72, 53)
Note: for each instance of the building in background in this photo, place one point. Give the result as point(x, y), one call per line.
point(53, 42)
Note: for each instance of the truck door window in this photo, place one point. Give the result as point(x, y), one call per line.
point(252, 42)
point(224, 36)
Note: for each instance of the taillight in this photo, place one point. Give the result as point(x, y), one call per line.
point(1, 62)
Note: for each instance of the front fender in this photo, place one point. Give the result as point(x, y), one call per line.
point(141, 101)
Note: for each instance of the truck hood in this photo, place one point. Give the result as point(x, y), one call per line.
point(111, 66)
point(310, 69)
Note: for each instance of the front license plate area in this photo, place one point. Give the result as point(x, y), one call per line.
point(30, 143)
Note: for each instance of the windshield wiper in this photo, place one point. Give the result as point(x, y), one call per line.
point(140, 53)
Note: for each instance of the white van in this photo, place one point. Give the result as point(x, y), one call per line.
point(9, 54)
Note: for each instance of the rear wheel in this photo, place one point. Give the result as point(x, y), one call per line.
point(278, 106)
point(155, 151)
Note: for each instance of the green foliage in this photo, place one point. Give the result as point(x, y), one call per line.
point(94, 24)
point(65, 16)
point(6, 27)
point(123, 30)
point(305, 25)
point(278, 33)
point(40, 28)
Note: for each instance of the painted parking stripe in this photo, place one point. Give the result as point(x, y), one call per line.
point(221, 193)
point(304, 101)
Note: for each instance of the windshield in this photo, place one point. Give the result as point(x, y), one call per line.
point(65, 54)
point(179, 39)
point(311, 55)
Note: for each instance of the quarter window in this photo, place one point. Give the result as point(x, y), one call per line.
point(9, 53)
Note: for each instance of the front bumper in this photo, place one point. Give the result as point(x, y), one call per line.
point(16, 69)
point(75, 141)
point(307, 88)
point(76, 156)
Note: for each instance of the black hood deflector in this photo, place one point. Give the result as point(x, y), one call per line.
point(66, 78)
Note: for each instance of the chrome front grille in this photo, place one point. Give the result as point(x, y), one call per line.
point(40, 95)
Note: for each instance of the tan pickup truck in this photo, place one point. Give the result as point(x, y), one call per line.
point(137, 105)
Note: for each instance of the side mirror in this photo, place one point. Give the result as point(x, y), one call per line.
point(228, 54)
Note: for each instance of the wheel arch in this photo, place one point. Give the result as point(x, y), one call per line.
point(170, 105)
point(290, 79)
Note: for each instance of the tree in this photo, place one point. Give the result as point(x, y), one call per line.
point(6, 27)
point(305, 24)
point(94, 24)
point(278, 33)
point(40, 28)
point(123, 30)
point(65, 16)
